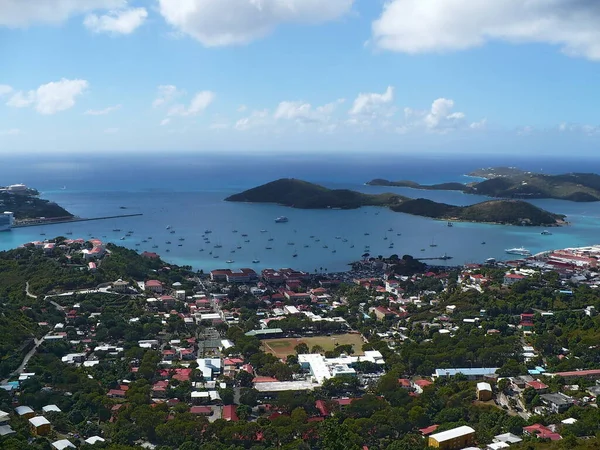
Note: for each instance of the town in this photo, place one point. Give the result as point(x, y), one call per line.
point(103, 347)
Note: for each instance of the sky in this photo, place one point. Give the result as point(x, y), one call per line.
point(314, 76)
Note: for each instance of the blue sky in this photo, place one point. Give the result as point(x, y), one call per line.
point(299, 75)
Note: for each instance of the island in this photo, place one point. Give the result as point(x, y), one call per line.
point(25, 203)
point(517, 184)
point(302, 194)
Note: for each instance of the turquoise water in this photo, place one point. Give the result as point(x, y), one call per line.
point(187, 193)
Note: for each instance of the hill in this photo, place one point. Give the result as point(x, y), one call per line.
point(30, 206)
point(508, 212)
point(305, 195)
point(414, 185)
point(516, 184)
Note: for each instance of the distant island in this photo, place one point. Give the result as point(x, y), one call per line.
point(25, 204)
point(509, 182)
point(302, 194)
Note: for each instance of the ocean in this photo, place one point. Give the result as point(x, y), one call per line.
point(186, 192)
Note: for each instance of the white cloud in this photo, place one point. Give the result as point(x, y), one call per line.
point(164, 122)
point(22, 13)
point(254, 120)
point(10, 132)
point(439, 118)
point(121, 21)
point(5, 89)
point(111, 131)
point(478, 125)
point(218, 126)
point(242, 108)
point(579, 128)
point(304, 112)
point(102, 112)
point(526, 130)
point(233, 22)
point(50, 98)
point(417, 26)
point(166, 94)
point(369, 103)
point(21, 99)
point(199, 103)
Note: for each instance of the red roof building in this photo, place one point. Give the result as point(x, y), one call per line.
point(229, 413)
point(428, 430)
point(542, 432)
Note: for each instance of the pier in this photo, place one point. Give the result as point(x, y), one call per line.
point(55, 221)
point(435, 258)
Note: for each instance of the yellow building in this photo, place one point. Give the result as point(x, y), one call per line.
point(40, 426)
point(453, 439)
point(484, 392)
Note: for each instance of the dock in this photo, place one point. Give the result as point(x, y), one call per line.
point(56, 221)
point(435, 258)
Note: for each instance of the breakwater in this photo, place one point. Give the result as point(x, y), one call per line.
point(46, 222)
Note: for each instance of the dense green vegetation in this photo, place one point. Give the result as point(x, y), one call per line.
point(415, 185)
point(514, 183)
point(305, 195)
point(511, 212)
point(301, 194)
point(30, 206)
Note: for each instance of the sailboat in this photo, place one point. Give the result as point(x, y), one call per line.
point(433, 244)
point(295, 255)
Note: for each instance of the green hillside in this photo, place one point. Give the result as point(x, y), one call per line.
point(305, 195)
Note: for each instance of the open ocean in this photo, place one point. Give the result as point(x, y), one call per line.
point(186, 191)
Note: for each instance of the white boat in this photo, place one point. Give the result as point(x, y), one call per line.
point(230, 261)
point(281, 219)
point(255, 261)
point(168, 227)
point(546, 233)
point(518, 251)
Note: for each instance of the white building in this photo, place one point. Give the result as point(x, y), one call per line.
point(322, 368)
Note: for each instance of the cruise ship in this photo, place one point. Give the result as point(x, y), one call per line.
point(281, 219)
point(6, 221)
point(518, 251)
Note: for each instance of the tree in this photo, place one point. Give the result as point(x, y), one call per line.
point(244, 379)
point(301, 349)
point(336, 436)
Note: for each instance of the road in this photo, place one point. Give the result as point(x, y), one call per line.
point(26, 359)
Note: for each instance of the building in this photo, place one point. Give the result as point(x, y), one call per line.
point(234, 276)
point(25, 412)
point(541, 432)
point(62, 444)
point(6, 221)
point(229, 413)
point(322, 368)
point(484, 392)
point(476, 373)
point(40, 426)
point(154, 286)
point(558, 402)
point(120, 286)
point(456, 438)
point(512, 278)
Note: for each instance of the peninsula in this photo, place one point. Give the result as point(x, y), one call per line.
point(25, 203)
point(508, 182)
point(302, 194)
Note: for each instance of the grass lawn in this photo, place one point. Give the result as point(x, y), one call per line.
point(284, 347)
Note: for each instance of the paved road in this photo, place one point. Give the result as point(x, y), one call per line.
point(26, 359)
point(29, 294)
